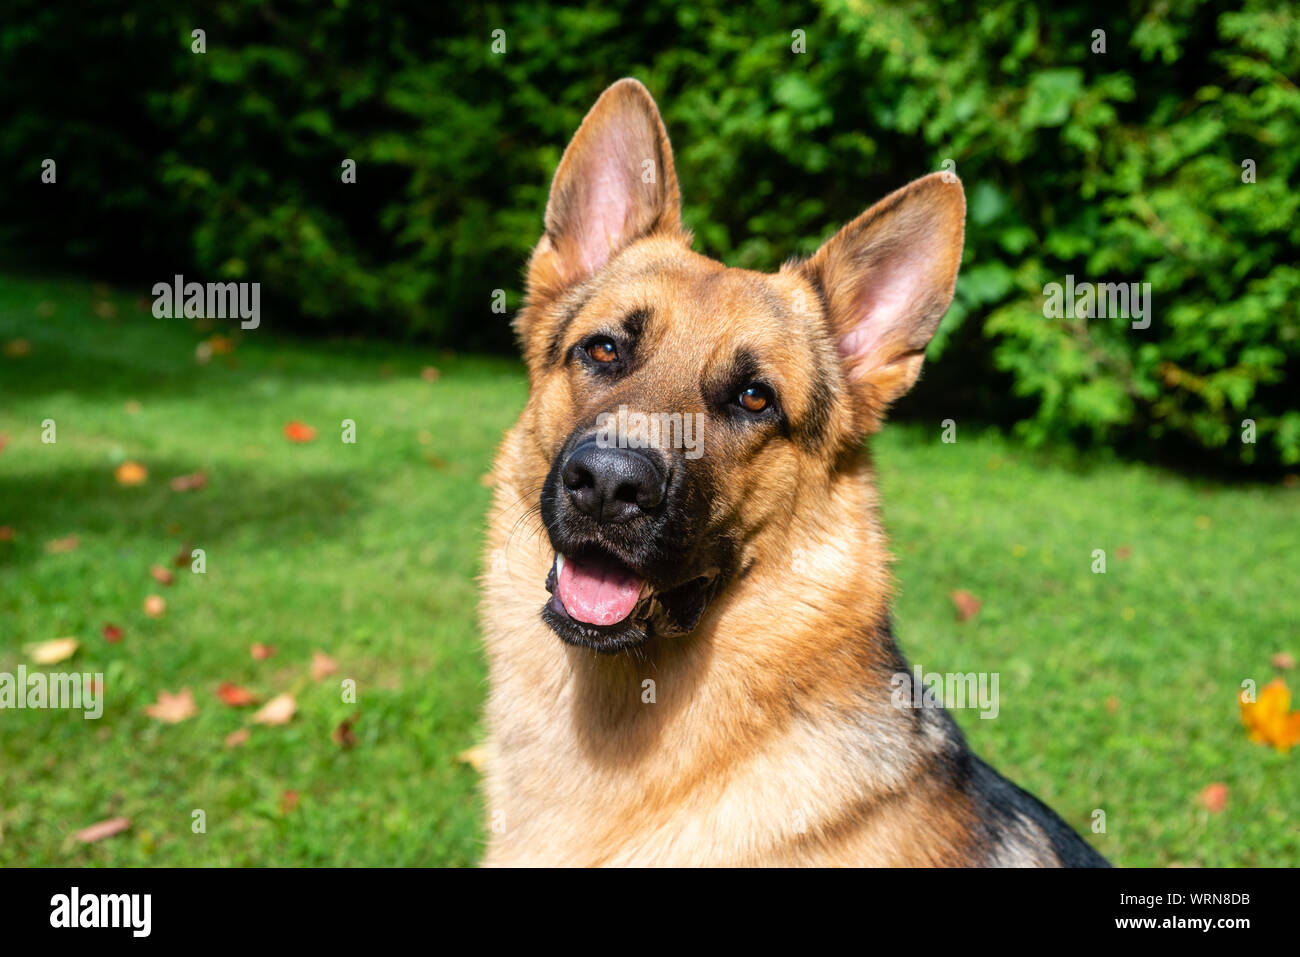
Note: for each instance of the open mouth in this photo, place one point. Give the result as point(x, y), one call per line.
point(600, 602)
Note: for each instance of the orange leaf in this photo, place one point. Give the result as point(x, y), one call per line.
point(112, 634)
point(1283, 660)
point(276, 711)
point(261, 652)
point(6, 533)
point(155, 606)
point(1269, 719)
point(298, 432)
point(235, 696)
point(173, 708)
point(968, 605)
point(1214, 798)
point(288, 801)
point(97, 832)
point(161, 575)
point(235, 738)
point(131, 473)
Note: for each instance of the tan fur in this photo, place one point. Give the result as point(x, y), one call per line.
point(772, 739)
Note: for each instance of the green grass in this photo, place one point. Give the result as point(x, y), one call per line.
point(1117, 690)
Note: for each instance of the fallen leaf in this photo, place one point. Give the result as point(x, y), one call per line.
point(53, 651)
point(276, 711)
point(322, 666)
point(1269, 719)
point(298, 432)
point(183, 557)
point(261, 652)
point(6, 533)
point(1214, 798)
point(173, 708)
point(131, 473)
point(235, 696)
point(288, 801)
point(343, 735)
point(97, 832)
point(67, 544)
point(161, 575)
point(235, 738)
point(16, 348)
point(968, 605)
point(1283, 660)
point(112, 634)
point(187, 483)
point(155, 606)
point(430, 374)
point(476, 757)
point(221, 345)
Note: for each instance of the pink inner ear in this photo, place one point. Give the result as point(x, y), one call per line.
point(881, 309)
point(603, 214)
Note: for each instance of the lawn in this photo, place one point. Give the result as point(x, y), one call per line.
point(1117, 690)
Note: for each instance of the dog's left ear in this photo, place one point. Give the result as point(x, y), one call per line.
point(615, 184)
point(887, 279)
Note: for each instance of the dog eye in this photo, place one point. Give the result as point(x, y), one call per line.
point(602, 350)
point(755, 399)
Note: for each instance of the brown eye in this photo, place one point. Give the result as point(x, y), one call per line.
point(754, 399)
point(603, 350)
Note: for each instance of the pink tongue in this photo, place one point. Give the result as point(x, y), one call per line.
point(597, 592)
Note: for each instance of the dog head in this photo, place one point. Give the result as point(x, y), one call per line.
point(680, 410)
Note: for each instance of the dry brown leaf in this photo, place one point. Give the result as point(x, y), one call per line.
point(276, 711)
point(186, 483)
point(53, 651)
point(173, 708)
point(66, 544)
point(343, 735)
point(97, 832)
point(968, 605)
point(161, 575)
point(322, 666)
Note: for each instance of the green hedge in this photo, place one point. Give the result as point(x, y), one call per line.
point(1122, 166)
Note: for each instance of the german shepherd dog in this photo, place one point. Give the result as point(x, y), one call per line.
point(689, 641)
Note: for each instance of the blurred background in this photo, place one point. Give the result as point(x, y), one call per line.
point(1148, 143)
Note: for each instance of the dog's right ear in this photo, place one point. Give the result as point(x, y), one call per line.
point(615, 184)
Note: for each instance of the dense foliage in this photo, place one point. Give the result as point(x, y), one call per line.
point(1116, 166)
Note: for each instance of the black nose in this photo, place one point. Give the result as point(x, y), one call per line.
point(613, 485)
